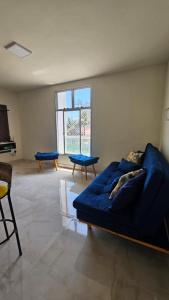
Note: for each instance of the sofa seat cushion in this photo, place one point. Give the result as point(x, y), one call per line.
point(96, 195)
point(107, 179)
point(109, 174)
point(98, 206)
point(94, 202)
point(93, 198)
point(110, 186)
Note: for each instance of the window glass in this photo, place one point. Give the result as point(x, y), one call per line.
point(85, 131)
point(60, 136)
point(82, 97)
point(64, 99)
point(72, 132)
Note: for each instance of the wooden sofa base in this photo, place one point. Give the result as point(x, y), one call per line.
point(156, 248)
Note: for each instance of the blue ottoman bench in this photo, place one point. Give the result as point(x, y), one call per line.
point(84, 161)
point(41, 156)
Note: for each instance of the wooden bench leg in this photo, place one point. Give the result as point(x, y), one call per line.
point(55, 163)
point(86, 172)
point(94, 170)
point(73, 169)
point(40, 164)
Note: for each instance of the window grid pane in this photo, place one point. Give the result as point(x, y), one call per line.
point(82, 97)
point(60, 133)
point(64, 100)
point(85, 131)
point(72, 132)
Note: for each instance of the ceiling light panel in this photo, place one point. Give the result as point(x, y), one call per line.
point(18, 49)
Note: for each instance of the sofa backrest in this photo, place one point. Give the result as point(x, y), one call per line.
point(146, 216)
point(155, 173)
point(160, 208)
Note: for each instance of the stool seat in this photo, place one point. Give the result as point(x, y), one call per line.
point(46, 155)
point(83, 160)
point(3, 189)
point(42, 156)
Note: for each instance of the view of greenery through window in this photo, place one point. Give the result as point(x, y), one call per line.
point(74, 121)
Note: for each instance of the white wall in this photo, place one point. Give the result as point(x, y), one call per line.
point(127, 109)
point(11, 100)
point(165, 120)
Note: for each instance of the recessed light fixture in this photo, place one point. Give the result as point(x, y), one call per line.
point(18, 49)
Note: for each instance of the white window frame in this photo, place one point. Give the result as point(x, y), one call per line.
point(73, 109)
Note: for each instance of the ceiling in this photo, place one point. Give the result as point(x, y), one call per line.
point(75, 39)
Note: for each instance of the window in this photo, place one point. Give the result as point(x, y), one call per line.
point(73, 121)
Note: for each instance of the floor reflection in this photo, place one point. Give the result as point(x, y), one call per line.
point(78, 227)
point(68, 191)
point(67, 197)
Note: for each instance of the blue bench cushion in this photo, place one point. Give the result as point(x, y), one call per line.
point(83, 160)
point(46, 155)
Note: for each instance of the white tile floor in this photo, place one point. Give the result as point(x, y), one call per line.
point(61, 259)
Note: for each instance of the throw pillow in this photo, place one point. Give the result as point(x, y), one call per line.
point(134, 157)
point(128, 166)
point(129, 192)
point(123, 179)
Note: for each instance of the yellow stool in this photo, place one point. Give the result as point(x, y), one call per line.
point(3, 189)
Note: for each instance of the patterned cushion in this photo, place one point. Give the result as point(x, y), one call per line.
point(134, 157)
point(129, 192)
point(123, 179)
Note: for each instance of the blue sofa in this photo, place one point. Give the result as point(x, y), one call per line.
point(145, 220)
